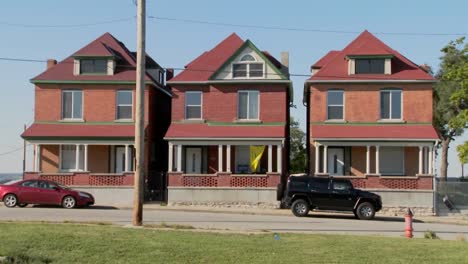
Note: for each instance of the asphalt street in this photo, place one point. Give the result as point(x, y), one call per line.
point(315, 223)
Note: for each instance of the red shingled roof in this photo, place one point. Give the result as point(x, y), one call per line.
point(373, 132)
point(207, 131)
point(335, 65)
point(106, 45)
point(79, 130)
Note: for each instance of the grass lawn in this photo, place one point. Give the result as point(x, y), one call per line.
point(73, 243)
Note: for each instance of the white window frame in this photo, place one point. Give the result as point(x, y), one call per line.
point(201, 105)
point(400, 173)
point(247, 63)
point(73, 91)
point(390, 104)
point(117, 105)
point(343, 105)
point(81, 158)
point(248, 101)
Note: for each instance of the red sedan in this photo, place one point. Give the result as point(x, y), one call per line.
point(43, 192)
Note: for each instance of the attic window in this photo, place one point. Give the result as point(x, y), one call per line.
point(370, 66)
point(247, 67)
point(90, 66)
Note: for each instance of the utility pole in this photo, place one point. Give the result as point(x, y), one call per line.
point(24, 153)
point(140, 118)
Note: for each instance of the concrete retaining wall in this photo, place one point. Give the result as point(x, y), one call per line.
point(395, 202)
point(110, 196)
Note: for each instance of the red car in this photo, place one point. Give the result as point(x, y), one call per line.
point(43, 192)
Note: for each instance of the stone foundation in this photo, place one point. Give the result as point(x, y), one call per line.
point(237, 205)
point(401, 211)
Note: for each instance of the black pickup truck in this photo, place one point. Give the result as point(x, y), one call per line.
point(304, 193)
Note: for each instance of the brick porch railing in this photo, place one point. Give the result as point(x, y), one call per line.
point(84, 178)
point(269, 180)
point(420, 182)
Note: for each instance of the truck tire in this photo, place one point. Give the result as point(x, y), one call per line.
point(365, 211)
point(300, 208)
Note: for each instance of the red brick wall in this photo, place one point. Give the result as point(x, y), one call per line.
point(362, 101)
point(219, 102)
point(99, 101)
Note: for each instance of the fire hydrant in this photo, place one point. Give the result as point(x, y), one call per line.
point(409, 223)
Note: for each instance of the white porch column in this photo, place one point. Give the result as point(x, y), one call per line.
point(85, 157)
point(325, 159)
point(420, 171)
point(317, 158)
point(126, 158)
point(228, 158)
point(220, 158)
point(171, 157)
point(279, 158)
point(430, 161)
point(77, 157)
point(377, 159)
point(368, 160)
point(270, 158)
point(179, 157)
point(37, 163)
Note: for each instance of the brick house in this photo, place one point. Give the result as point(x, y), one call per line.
point(369, 112)
point(229, 134)
point(83, 129)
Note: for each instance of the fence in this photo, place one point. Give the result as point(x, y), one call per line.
point(456, 192)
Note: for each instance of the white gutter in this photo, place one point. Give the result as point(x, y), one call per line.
point(217, 139)
point(371, 81)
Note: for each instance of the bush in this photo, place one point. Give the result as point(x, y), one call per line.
point(429, 234)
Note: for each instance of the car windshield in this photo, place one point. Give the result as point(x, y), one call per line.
point(62, 186)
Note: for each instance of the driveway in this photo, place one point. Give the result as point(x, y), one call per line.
point(315, 223)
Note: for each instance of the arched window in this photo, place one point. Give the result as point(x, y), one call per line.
point(247, 57)
point(247, 67)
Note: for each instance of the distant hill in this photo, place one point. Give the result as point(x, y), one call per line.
point(6, 177)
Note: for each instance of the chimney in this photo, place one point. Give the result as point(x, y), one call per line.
point(169, 74)
point(425, 67)
point(51, 63)
point(285, 63)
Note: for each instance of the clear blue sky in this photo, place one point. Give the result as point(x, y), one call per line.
point(174, 44)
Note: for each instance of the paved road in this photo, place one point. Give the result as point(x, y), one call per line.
point(316, 223)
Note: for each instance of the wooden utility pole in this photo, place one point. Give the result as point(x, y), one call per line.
point(24, 152)
point(140, 115)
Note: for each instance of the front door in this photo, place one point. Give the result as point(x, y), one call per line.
point(193, 160)
point(336, 161)
point(119, 159)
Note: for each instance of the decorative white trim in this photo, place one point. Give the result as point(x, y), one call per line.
point(225, 141)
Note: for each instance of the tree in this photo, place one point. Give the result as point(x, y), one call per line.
point(450, 97)
point(297, 154)
point(463, 156)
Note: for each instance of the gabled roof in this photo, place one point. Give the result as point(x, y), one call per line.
point(209, 63)
point(334, 65)
point(369, 132)
point(104, 46)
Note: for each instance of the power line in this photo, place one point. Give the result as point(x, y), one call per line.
point(191, 21)
point(67, 26)
point(11, 151)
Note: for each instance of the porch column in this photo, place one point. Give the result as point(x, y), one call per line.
point(126, 158)
point(85, 157)
point(368, 160)
point(179, 157)
point(377, 159)
point(77, 157)
point(37, 163)
point(420, 171)
point(279, 158)
point(430, 161)
point(325, 159)
point(171, 157)
point(220, 158)
point(270, 158)
point(317, 158)
point(228, 158)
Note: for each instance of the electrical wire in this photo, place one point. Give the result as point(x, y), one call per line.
point(67, 26)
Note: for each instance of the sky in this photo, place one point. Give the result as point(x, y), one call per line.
point(45, 29)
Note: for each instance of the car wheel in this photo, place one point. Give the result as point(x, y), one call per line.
point(300, 208)
point(10, 200)
point(68, 202)
point(22, 204)
point(365, 211)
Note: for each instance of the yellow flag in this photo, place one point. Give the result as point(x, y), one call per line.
point(256, 153)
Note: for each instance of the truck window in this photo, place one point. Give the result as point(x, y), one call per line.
point(319, 184)
point(341, 186)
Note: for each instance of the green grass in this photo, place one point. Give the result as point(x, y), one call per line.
point(73, 243)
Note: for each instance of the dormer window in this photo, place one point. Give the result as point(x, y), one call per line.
point(247, 67)
point(93, 66)
point(370, 66)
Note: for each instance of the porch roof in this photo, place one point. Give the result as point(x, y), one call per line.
point(77, 131)
point(373, 132)
point(203, 130)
